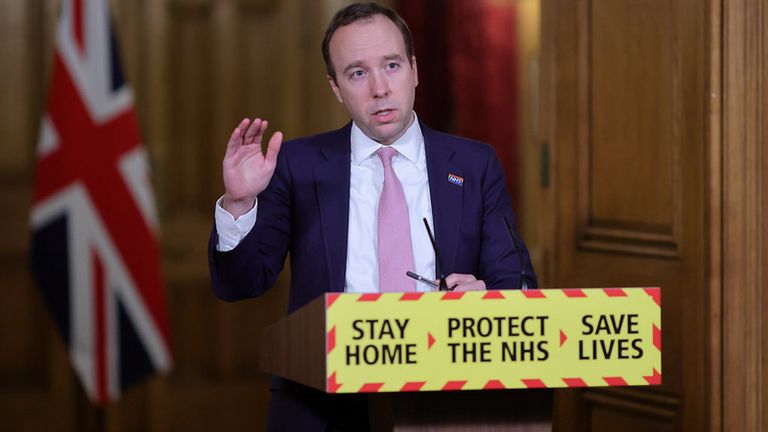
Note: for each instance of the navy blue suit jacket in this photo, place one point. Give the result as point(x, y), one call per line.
point(305, 212)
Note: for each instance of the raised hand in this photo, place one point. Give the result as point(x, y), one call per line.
point(247, 171)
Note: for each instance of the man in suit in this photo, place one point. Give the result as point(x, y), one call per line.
point(336, 201)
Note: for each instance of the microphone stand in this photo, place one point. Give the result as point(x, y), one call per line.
point(440, 269)
point(515, 243)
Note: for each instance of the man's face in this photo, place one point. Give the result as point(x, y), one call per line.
point(374, 79)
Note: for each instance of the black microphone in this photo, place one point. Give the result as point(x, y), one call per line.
point(524, 278)
point(440, 269)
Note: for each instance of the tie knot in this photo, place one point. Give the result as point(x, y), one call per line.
point(385, 154)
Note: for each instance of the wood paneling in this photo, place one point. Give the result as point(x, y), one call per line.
point(35, 376)
point(608, 415)
point(657, 119)
point(196, 67)
point(654, 112)
point(630, 184)
point(743, 203)
point(629, 92)
point(17, 124)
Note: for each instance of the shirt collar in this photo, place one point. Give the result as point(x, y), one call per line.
point(410, 144)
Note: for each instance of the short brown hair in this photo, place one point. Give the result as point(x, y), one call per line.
point(360, 11)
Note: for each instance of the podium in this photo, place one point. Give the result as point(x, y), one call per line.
point(468, 361)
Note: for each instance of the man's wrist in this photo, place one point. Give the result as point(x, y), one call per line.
point(237, 207)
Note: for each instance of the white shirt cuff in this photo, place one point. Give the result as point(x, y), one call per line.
point(230, 231)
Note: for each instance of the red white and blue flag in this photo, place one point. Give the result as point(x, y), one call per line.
point(94, 248)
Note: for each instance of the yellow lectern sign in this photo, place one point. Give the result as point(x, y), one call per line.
point(493, 339)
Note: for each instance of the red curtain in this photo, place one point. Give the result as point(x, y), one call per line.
point(466, 52)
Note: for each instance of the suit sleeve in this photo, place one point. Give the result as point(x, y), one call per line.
point(500, 264)
point(252, 267)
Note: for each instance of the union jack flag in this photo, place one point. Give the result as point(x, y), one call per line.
point(94, 250)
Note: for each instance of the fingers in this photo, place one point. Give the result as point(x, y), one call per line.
point(251, 132)
point(457, 278)
point(248, 132)
point(464, 282)
point(236, 138)
point(255, 131)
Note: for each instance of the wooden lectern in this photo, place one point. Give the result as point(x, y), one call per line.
point(449, 360)
point(298, 346)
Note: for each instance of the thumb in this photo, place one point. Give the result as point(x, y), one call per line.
point(273, 148)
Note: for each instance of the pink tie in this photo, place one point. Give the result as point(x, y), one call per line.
point(395, 251)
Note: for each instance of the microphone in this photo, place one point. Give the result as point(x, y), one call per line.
point(440, 269)
point(524, 278)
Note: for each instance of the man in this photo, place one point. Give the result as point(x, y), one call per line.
point(343, 203)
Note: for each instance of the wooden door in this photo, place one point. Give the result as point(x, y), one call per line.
point(625, 108)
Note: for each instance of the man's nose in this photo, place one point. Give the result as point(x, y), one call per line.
point(379, 85)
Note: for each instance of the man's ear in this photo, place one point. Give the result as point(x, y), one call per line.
point(335, 88)
point(415, 71)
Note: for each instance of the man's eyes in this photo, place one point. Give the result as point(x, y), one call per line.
point(359, 73)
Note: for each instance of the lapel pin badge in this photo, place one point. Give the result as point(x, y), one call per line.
point(453, 178)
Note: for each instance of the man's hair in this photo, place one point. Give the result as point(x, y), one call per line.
point(363, 11)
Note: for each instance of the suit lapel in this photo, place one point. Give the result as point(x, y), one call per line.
point(332, 177)
point(447, 198)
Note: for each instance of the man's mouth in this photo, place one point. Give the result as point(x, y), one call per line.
point(383, 112)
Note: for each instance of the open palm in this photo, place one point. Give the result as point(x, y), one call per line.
point(247, 170)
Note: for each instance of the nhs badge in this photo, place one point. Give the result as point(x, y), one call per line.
point(453, 178)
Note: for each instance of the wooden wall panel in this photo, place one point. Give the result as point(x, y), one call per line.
point(17, 125)
point(744, 110)
point(260, 63)
point(190, 89)
point(635, 411)
point(35, 377)
point(630, 94)
point(608, 418)
point(630, 138)
point(25, 365)
point(763, 194)
point(533, 169)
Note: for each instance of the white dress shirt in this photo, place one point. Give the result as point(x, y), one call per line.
point(366, 182)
